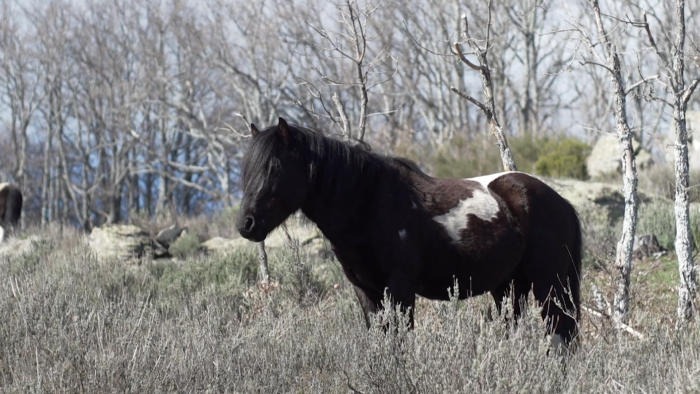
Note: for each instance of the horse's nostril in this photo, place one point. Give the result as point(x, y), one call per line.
point(248, 224)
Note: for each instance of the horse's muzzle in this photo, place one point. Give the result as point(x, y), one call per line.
point(248, 229)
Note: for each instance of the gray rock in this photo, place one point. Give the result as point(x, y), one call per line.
point(307, 235)
point(219, 244)
point(602, 200)
point(693, 126)
point(605, 157)
point(169, 235)
point(121, 243)
point(647, 245)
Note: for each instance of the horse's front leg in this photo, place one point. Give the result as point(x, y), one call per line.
point(369, 302)
point(401, 292)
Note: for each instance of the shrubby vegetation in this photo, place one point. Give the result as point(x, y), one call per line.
point(657, 217)
point(563, 158)
point(559, 157)
point(71, 323)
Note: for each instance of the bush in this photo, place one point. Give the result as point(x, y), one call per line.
point(554, 157)
point(464, 159)
point(658, 217)
point(72, 323)
point(185, 245)
point(563, 158)
point(235, 271)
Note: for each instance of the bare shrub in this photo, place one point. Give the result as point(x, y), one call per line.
point(72, 323)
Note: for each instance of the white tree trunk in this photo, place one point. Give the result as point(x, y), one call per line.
point(688, 281)
point(488, 106)
point(623, 255)
point(684, 248)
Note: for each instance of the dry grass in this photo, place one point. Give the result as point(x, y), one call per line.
point(69, 323)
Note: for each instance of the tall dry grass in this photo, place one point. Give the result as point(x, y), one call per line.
point(69, 323)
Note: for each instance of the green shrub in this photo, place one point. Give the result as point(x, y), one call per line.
point(658, 217)
point(563, 158)
point(555, 157)
point(185, 245)
point(464, 159)
point(233, 270)
point(526, 150)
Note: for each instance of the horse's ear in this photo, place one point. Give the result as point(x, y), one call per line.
point(283, 129)
point(254, 130)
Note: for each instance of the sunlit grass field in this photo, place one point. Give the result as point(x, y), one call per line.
point(71, 323)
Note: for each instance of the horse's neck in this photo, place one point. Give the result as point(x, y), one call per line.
point(336, 212)
point(332, 216)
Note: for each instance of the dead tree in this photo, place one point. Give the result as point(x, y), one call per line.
point(674, 67)
point(350, 41)
point(610, 61)
point(488, 105)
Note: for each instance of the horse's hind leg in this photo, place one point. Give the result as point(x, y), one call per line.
point(514, 291)
point(558, 310)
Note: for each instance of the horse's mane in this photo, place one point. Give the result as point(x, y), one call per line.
point(337, 164)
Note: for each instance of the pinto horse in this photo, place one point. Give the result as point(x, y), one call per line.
point(395, 229)
point(10, 207)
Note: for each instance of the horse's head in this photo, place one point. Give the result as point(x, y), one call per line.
point(275, 181)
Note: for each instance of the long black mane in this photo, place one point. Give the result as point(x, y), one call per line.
point(338, 166)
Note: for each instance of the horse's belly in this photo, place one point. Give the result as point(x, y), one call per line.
point(478, 266)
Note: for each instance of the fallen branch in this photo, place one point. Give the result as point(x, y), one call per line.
point(618, 325)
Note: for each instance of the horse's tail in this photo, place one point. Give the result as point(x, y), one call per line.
point(574, 273)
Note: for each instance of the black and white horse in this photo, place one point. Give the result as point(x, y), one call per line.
point(395, 229)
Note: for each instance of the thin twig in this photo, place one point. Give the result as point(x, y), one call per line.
point(466, 61)
point(617, 324)
point(478, 103)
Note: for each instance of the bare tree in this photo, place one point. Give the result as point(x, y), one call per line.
point(671, 61)
point(19, 80)
point(349, 39)
point(610, 61)
point(488, 106)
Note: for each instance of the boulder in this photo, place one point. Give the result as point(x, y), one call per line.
point(647, 245)
point(605, 157)
point(602, 200)
point(692, 120)
point(121, 242)
point(219, 244)
point(169, 235)
point(307, 235)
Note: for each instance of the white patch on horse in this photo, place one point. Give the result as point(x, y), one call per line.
point(402, 234)
point(486, 180)
point(2, 234)
point(481, 204)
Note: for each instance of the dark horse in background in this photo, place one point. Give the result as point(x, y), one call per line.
point(395, 229)
point(10, 208)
